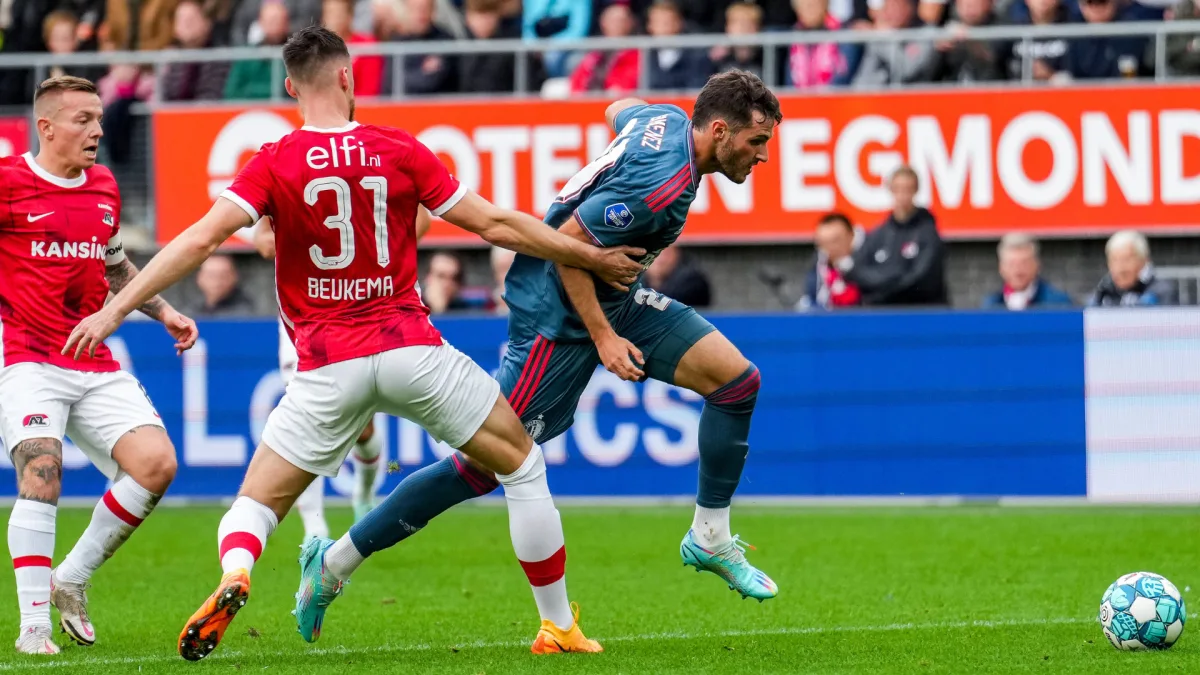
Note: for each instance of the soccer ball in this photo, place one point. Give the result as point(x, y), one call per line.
point(1142, 610)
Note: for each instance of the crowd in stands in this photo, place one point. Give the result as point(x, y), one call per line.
point(66, 26)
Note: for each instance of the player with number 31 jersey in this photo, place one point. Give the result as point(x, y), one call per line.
point(343, 200)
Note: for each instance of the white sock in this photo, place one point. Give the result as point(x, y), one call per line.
point(243, 533)
point(311, 507)
point(711, 526)
point(365, 458)
point(115, 517)
point(31, 544)
point(343, 558)
point(537, 537)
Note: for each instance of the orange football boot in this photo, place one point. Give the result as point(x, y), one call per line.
point(204, 630)
point(553, 640)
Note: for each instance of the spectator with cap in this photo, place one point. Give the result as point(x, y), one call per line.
point(886, 63)
point(673, 69)
point(1131, 281)
point(676, 275)
point(825, 286)
point(615, 72)
point(903, 261)
point(1021, 270)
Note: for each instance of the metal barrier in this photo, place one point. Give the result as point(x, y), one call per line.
point(1187, 280)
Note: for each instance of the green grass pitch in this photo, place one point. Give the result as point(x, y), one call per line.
point(863, 590)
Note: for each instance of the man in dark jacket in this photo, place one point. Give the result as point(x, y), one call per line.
point(193, 81)
point(1024, 287)
point(1111, 57)
point(423, 73)
point(824, 286)
point(1130, 281)
point(1047, 54)
point(676, 276)
point(903, 261)
point(673, 69)
point(487, 73)
point(966, 60)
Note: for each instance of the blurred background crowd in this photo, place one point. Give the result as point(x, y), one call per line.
point(900, 261)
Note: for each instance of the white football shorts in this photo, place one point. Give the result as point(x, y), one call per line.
point(38, 400)
point(325, 409)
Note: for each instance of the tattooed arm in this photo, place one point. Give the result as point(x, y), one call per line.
point(120, 274)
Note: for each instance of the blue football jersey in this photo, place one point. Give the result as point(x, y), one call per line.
point(636, 193)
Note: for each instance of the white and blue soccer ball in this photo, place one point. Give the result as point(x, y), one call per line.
point(1142, 610)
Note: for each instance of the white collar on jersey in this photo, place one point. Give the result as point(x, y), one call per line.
point(339, 130)
point(51, 178)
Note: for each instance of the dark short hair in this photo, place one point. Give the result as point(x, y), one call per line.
point(836, 218)
point(63, 83)
point(310, 48)
point(734, 96)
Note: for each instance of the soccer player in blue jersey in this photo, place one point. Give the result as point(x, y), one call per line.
point(563, 322)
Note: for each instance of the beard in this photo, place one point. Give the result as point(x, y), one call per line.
point(351, 97)
point(727, 160)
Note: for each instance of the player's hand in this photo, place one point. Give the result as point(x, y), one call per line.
point(616, 266)
point(621, 357)
point(182, 328)
point(92, 332)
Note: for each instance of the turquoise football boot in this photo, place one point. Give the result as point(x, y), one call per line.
point(729, 563)
point(318, 588)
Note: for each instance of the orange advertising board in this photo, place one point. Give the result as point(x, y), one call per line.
point(1056, 162)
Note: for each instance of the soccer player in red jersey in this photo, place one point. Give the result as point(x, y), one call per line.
point(343, 198)
point(61, 243)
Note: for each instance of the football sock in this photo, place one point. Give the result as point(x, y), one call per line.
point(365, 457)
point(243, 533)
point(116, 516)
point(537, 537)
point(31, 544)
point(311, 507)
point(420, 497)
point(342, 558)
point(710, 527)
point(724, 440)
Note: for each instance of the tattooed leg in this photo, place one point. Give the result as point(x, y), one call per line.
point(38, 462)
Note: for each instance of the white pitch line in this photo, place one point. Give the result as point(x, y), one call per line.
point(422, 647)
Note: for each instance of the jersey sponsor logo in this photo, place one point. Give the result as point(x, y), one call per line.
point(618, 216)
point(656, 129)
point(71, 249)
point(106, 207)
point(36, 420)
point(33, 219)
point(318, 157)
point(350, 289)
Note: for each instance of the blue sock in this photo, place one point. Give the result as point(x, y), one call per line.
point(724, 438)
point(418, 499)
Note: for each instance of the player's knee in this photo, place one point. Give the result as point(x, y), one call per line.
point(155, 470)
point(367, 433)
point(739, 395)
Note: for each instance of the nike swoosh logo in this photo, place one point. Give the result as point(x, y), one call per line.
point(39, 604)
point(33, 219)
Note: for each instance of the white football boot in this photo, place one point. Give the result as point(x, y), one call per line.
point(71, 602)
point(36, 640)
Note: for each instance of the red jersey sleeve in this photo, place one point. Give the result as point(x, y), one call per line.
point(436, 188)
point(251, 190)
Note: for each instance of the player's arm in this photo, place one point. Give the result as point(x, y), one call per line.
point(424, 220)
point(119, 276)
point(175, 261)
point(523, 233)
point(618, 107)
point(618, 355)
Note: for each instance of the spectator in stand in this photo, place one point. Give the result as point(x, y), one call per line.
point(193, 81)
point(825, 287)
point(337, 16)
point(60, 31)
point(1111, 57)
point(674, 274)
point(816, 66)
point(251, 80)
point(741, 18)
point(1021, 270)
point(903, 261)
point(441, 290)
point(1183, 49)
point(423, 73)
point(151, 28)
point(502, 260)
point(1130, 281)
point(673, 69)
point(556, 20)
point(1047, 55)
point(608, 71)
point(969, 61)
point(220, 289)
point(914, 61)
point(245, 28)
point(486, 73)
